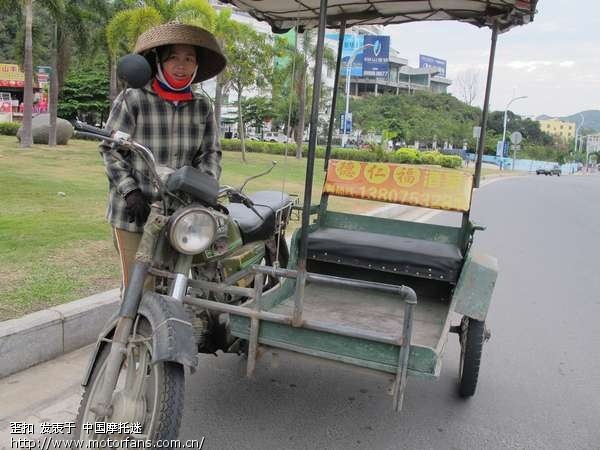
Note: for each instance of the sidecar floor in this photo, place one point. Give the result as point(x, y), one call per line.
point(373, 311)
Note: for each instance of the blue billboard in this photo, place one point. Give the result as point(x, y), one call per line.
point(347, 122)
point(430, 61)
point(352, 43)
point(376, 56)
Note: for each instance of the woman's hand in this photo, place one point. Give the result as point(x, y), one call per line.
point(138, 207)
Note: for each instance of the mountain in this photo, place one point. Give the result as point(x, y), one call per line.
point(591, 119)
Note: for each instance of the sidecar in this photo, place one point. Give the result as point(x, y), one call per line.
point(380, 294)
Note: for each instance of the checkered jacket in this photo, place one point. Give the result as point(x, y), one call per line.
point(183, 134)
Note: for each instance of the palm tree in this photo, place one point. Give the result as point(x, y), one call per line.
point(300, 60)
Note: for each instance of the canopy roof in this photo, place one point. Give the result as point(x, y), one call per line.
point(285, 14)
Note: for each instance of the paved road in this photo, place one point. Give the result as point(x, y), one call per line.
point(539, 384)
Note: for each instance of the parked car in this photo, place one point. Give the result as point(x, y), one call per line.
point(273, 136)
point(554, 171)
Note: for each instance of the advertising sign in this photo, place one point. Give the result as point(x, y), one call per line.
point(430, 187)
point(352, 42)
point(429, 61)
point(348, 123)
point(11, 76)
point(376, 56)
point(43, 74)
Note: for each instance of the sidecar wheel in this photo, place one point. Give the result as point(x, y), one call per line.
point(160, 407)
point(472, 337)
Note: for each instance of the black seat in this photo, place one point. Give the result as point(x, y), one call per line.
point(395, 254)
point(252, 227)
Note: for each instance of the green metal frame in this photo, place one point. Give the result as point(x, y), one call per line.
point(423, 361)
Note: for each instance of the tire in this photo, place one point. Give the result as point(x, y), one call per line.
point(472, 337)
point(164, 381)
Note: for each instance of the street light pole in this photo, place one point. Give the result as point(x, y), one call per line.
point(577, 133)
point(504, 128)
point(348, 74)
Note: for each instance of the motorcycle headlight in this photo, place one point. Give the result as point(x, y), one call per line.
point(192, 230)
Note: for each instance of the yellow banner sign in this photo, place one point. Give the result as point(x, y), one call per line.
point(429, 187)
point(11, 72)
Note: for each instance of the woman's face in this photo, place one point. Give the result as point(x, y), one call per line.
point(180, 62)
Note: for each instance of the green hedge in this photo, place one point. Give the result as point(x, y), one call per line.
point(412, 156)
point(9, 128)
point(403, 155)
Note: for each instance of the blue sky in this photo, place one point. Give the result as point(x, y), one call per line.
point(554, 61)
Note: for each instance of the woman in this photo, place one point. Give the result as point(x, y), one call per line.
point(177, 124)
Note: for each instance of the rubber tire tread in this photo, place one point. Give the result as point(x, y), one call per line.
point(172, 395)
point(472, 360)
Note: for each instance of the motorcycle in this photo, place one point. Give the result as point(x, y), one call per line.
point(193, 244)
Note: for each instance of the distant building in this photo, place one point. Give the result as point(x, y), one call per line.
point(561, 131)
point(593, 143)
point(402, 78)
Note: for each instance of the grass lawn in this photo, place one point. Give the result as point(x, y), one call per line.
point(55, 244)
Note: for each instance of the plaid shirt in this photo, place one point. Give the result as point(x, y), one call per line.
point(178, 135)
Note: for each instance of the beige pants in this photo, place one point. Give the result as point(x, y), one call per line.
point(126, 244)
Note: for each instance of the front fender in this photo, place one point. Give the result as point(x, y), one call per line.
point(473, 293)
point(172, 338)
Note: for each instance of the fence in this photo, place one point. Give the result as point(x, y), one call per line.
point(526, 165)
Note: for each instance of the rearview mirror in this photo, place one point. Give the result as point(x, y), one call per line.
point(134, 70)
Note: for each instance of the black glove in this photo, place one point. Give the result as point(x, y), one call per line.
point(137, 207)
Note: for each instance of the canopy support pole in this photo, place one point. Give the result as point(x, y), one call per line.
point(486, 102)
point(336, 81)
point(310, 166)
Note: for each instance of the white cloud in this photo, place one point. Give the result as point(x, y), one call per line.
point(567, 64)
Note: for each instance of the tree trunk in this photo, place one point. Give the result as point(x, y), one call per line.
point(301, 107)
point(112, 67)
point(53, 94)
point(26, 138)
point(241, 126)
point(218, 101)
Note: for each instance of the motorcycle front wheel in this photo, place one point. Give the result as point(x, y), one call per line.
point(148, 398)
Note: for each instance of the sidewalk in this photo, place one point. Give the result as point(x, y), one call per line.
point(49, 392)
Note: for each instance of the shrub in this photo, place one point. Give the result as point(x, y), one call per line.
point(450, 161)
point(432, 158)
point(408, 156)
point(376, 154)
point(9, 128)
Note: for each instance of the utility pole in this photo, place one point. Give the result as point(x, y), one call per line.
point(504, 128)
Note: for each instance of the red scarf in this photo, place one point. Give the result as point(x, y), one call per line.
point(174, 83)
point(172, 96)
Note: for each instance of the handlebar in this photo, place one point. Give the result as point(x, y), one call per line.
point(86, 128)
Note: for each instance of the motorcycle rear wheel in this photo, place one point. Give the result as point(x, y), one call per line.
point(160, 405)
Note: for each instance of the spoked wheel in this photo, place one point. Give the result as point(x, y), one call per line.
point(150, 395)
point(472, 336)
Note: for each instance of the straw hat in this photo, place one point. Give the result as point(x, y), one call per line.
point(211, 60)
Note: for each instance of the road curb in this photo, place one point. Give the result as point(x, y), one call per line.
point(44, 335)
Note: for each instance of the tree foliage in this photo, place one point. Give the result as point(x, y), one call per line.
point(85, 94)
point(256, 111)
point(250, 58)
